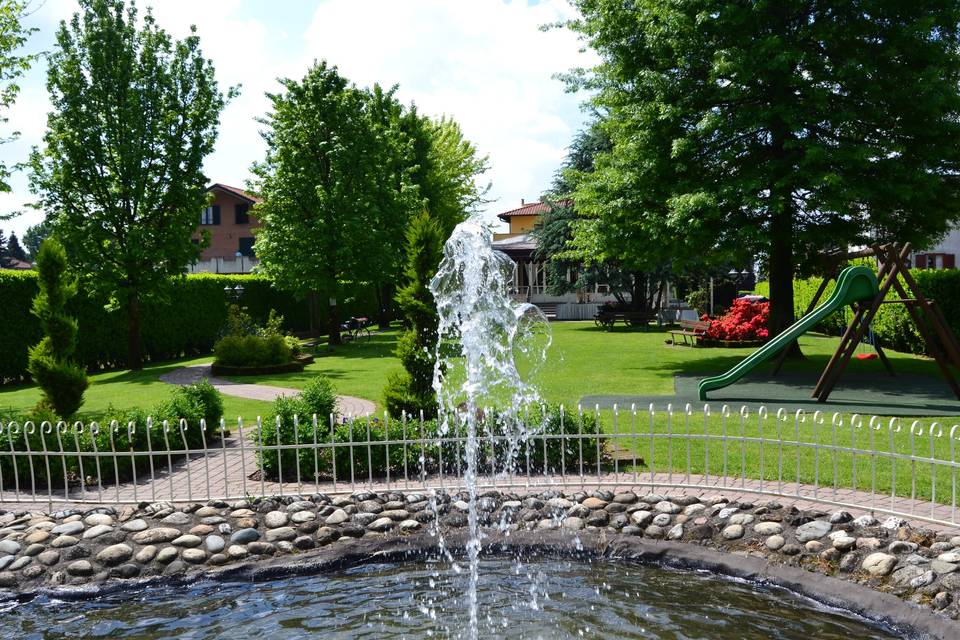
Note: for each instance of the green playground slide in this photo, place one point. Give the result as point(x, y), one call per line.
point(855, 284)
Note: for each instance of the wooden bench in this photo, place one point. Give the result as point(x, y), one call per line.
point(693, 329)
point(606, 318)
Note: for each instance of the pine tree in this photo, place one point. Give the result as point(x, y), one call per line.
point(412, 390)
point(14, 250)
point(3, 251)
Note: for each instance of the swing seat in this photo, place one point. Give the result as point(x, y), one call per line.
point(866, 356)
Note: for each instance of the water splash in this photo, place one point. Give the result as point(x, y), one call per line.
point(488, 347)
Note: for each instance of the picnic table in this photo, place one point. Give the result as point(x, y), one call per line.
point(607, 318)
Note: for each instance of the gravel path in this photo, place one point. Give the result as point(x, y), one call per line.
point(346, 405)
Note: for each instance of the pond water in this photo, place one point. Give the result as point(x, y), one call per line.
point(542, 598)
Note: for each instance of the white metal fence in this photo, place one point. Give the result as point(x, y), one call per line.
point(884, 465)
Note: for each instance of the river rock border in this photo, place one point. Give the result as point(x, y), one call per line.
point(84, 552)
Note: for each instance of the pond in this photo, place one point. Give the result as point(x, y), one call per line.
point(541, 598)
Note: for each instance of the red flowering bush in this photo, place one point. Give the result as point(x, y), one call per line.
point(745, 320)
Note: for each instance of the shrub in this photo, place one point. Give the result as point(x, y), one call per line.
point(38, 433)
point(293, 343)
point(207, 397)
point(251, 351)
point(363, 446)
point(399, 397)
point(699, 300)
point(292, 423)
point(50, 360)
point(319, 397)
point(745, 320)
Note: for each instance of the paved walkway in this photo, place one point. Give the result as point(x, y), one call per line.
point(346, 405)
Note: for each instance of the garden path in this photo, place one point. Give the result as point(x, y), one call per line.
point(346, 405)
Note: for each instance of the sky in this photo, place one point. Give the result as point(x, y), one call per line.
point(486, 63)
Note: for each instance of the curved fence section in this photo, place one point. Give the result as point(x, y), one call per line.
point(905, 468)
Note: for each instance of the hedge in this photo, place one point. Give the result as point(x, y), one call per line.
point(892, 324)
point(185, 323)
point(361, 448)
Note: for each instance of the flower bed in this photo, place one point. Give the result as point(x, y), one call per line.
point(744, 325)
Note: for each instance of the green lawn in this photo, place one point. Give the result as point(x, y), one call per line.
point(123, 389)
point(582, 360)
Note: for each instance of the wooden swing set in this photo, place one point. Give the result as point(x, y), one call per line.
point(929, 319)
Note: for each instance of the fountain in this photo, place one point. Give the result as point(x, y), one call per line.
point(494, 334)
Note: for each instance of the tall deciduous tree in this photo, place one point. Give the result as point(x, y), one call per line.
point(34, 236)
point(346, 169)
point(134, 115)
point(775, 127)
point(321, 187)
point(13, 64)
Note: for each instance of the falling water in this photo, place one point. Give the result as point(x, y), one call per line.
point(488, 345)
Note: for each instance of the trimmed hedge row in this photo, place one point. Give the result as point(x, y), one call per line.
point(892, 324)
point(187, 322)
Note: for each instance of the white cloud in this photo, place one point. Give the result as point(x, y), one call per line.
point(486, 63)
point(483, 62)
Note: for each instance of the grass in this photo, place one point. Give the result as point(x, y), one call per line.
point(122, 390)
point(582, 360)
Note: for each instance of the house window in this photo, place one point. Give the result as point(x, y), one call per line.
point(242, 213)
point(246, 247)
point(935, 261)
point(210, 215)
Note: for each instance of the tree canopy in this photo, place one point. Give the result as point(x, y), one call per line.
point(13, 64)
point(778, 129)
point(120, 176)
point(346, 169)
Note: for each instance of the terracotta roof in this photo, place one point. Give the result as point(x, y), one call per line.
point(529, 209)
point(15, 263)
point(240, 193)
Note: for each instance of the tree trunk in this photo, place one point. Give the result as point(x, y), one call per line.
point(134, 354)
point(384, 299)
point(313, 310)
point(781, 277)
point(638, 295)
point(333, 325)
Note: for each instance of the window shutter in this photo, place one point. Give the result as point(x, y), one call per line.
point(949, 261)
point(216, 214)
point(240, 213)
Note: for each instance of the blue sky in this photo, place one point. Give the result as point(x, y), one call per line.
point(483, 62)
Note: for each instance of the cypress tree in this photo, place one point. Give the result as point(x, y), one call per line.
point(50, 363)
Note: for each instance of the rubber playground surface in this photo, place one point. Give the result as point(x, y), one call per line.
point(900, 395)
